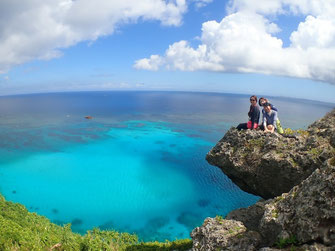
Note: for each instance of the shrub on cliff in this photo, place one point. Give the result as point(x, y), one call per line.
point(22, 230)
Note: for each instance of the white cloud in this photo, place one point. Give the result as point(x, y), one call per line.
point(153, 63)
point(316, 32)
point(245, 41)
point(37, 29)
point(266, 7)
point(202, 3)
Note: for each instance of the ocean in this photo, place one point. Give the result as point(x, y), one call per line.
point(137, 166)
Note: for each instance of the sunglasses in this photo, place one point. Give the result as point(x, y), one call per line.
point(252, 99)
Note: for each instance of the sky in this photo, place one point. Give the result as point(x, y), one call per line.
point(276, 48)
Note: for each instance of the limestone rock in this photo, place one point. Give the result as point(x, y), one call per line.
point(220, 234)
point(302, 166)
point(307, 211)
point(250, 216)
point(271, 164)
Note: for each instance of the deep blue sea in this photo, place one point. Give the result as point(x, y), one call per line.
point(137, 166)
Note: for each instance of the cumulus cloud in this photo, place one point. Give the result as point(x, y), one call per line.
point(246, 41)
point(37, 29)
point(153, 63)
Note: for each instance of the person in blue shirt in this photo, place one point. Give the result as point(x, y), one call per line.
point(254, 114)
point(270, 119)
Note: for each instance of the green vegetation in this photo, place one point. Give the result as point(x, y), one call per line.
point(257, 142)
point(332, 161)
point(254, 143)
point(286, 242)
point(315, 152)
point(175, 245)
point(219, 218)
point(275, 213)
point(22, 230)
point(278, 198)
point(301, 132)
point(293, 162)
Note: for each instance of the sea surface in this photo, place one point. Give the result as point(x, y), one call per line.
point(138, 165)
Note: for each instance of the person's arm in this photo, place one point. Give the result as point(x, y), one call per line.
point(274, 108)
point(264, 121)
point(255, 117)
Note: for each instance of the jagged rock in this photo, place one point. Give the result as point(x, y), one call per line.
point(250, 216)
point(271, 164)
point(219, 234)
point(306, 247)
point(317, 247)
point(307, 211)
point(305, 215)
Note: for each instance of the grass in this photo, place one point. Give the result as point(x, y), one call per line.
point(274, 213)
point(332, 161)
point(22, 230)
point(301, 132)
point(286, 242)
point(251, 144)
point(175, 245)
point(315, 152)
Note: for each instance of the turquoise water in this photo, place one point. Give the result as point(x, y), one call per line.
point(138, 166)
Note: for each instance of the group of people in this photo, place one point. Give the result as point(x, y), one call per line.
point(270, 120)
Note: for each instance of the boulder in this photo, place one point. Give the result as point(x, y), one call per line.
point(220, 234)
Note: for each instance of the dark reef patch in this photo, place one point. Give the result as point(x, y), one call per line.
point(55, 211)
point(203, 202)
point(108, 225)
point(158, 222)
point(140, 125)
point(194, 136)
point(76, 222)
point(189, 219)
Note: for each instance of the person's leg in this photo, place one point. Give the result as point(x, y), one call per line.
point(242, 126)
point(261, 127)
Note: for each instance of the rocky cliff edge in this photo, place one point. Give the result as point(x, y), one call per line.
point(294, 172)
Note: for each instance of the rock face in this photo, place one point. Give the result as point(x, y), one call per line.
point(220, 234)
point(303, 216)
point(307, 211)
point(271, 164)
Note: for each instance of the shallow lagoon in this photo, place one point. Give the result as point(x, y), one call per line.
point(137, 166)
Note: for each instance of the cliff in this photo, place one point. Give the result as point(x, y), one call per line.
point(294, 172)
point(271, 164)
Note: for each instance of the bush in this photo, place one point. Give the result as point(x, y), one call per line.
point(286, 242)
point(22, 230)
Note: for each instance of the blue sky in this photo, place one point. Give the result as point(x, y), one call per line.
point(277, 48)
